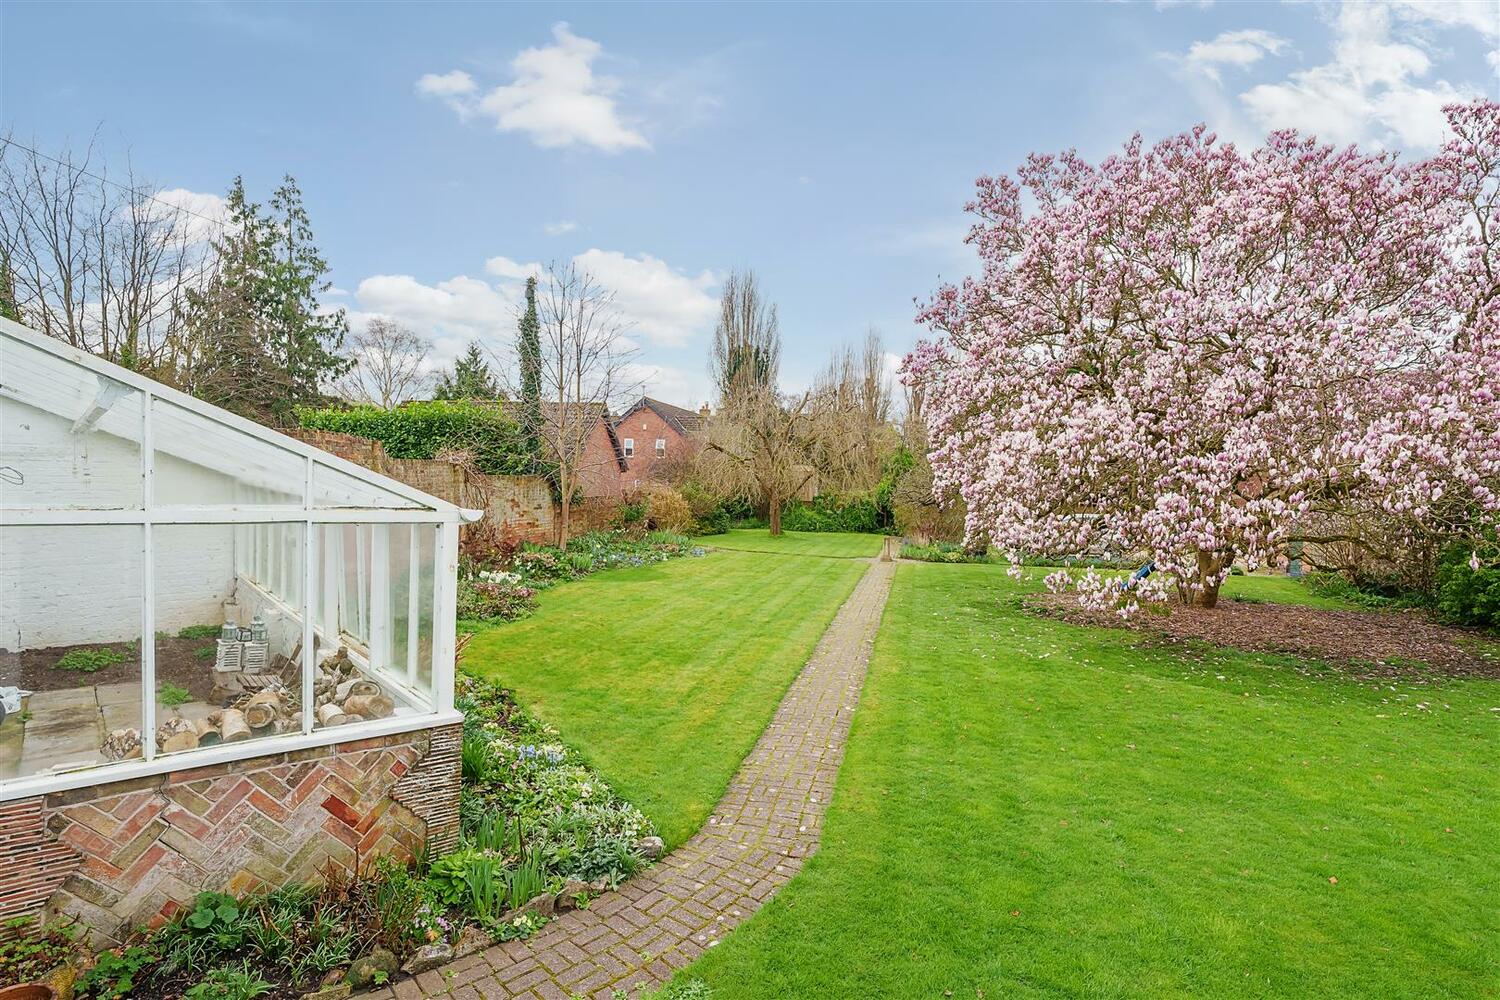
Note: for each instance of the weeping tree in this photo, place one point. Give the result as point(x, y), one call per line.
point(762, 448)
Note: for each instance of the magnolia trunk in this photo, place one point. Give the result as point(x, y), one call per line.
point(1205, 592)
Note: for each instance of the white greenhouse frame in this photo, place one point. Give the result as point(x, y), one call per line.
point(427, 510)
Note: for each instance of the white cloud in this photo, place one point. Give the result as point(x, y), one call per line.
point(663, 305)
point(555, 98)
point(452, 313)
point(677, 386)
point(1372, 91)
point(455, 84)
point(205, 214)
point(1232, 48)
point(504, 267)
point(1378, 86)
point(559, 228)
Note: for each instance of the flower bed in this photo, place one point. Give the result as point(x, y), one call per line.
point(542, 832)
point(507, 591)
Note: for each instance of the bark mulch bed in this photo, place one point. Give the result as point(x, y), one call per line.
point(1364, 644)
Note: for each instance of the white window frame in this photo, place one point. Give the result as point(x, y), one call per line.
point(661, 447)
point(627, 445)
point(444, 517)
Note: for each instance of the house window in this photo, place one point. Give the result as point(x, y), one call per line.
point(661, 447)
point(629, 447)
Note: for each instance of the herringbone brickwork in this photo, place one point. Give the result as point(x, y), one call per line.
point(130, 853)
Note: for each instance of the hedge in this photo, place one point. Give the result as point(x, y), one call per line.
point(423, 430)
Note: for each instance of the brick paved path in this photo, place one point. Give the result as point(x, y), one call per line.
point(757, 838)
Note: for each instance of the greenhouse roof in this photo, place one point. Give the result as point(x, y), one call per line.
point(98, 396)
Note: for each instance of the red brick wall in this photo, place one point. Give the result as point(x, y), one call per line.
point(128, 853)
point(599, 472)
point(645, 426)
point(514, 506)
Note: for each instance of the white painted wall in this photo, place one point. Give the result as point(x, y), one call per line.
point(61, 585)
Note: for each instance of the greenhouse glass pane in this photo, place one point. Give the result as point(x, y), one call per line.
point(332, 488)
point(69, 437)
point(202, 462)
point(70, 664)
point(370, 621)
point(228, 632)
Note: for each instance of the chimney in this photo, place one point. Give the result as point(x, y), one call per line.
point(703, 412)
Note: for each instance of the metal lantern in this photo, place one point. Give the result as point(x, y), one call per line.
point(258, 630)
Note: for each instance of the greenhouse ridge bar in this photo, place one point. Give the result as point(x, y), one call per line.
point(195, 605)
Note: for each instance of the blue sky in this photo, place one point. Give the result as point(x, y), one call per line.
point(443, 149)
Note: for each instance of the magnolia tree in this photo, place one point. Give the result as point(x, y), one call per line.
point(1190, 351)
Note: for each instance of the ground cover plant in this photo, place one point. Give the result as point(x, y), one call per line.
point(664, 675)
point(1070, 811)
point(523, 784)
point(847, 545)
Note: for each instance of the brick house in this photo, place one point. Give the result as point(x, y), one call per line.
point(602, 465)
point(653, 434)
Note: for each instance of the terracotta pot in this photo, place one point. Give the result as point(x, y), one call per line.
point(28, 991)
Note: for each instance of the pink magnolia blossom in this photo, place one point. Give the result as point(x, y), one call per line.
point(1190, 350)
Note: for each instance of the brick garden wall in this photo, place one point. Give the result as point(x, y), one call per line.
point(124, 854)
point(515, 506)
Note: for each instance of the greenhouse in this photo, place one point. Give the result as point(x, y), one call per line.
point(182, 587)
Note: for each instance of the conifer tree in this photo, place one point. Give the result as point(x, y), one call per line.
point(469, 379)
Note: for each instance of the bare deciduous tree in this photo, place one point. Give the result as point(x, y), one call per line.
point(585, 362)
point(103, 265)
point(853, 401)
point(390, 365)
point(746, 354)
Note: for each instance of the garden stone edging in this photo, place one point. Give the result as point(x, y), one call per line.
point(763, 829)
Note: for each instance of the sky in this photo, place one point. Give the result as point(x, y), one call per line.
point(445, 151)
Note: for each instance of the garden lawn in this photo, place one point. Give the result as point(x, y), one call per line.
point(664, 676)
point(800, 543)
point(1034, 809)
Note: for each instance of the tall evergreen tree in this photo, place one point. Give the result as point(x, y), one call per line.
point(306, 341)
point(469, 379)
point(530, 352)
point(262, 342)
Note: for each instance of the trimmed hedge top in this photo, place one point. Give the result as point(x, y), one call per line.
point(422, 430)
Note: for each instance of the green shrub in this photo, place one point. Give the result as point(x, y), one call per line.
point(629, 514)
point(860, 513)
point(946, 552)
point(1464, 595)
point(422, 430)
point(1340, 587)
point(199, 632)
point(715, 522)
point(90, 661)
